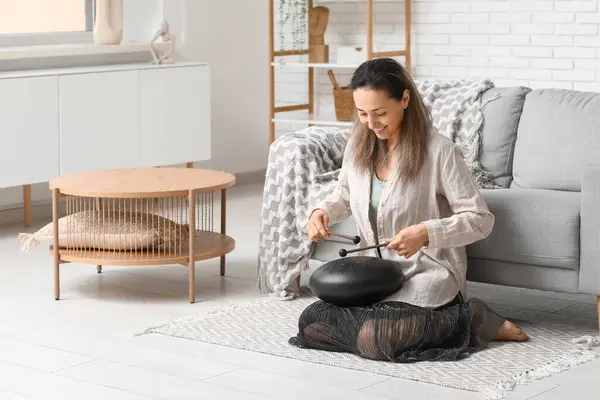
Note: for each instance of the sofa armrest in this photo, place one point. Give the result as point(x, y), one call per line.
point(316, 142)
point(589, 239)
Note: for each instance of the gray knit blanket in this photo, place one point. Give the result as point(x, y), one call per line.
point(303, 167)
point(456, 108)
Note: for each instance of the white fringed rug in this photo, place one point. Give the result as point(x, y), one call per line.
point(265, 326)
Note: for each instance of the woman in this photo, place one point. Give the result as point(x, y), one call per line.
point(407, 185)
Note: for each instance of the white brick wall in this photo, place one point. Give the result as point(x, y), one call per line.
point(535, 43)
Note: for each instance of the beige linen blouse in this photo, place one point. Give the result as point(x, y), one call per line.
point(443, 197)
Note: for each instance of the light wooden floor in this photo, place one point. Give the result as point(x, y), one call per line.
point(83, 347)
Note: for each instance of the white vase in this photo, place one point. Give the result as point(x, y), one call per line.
point(108, 27)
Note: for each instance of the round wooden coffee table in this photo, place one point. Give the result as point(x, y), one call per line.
point(139, 216)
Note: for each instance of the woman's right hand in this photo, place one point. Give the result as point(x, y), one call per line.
point(318, 226)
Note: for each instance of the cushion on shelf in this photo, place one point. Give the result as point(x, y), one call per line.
point(110, 230)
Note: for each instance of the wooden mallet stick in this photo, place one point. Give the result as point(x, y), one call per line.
point(353, 239)
point(344, 252)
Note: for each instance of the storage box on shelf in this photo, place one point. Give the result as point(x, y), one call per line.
point(65, 120)
point(291, 113)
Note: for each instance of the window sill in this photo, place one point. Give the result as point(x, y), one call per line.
point(17, 53)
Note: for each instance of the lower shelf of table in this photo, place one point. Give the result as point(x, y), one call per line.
point(208, 245)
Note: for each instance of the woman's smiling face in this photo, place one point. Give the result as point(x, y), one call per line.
point(381, 113)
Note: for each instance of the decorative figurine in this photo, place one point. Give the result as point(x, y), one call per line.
point(166, 37)
point(318, 51)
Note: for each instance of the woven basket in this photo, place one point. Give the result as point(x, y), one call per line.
point(342, 100)
point(344, 104)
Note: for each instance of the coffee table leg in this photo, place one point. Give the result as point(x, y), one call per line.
point(192, 279)
point(192, 243)
point(55, 244)
point(27, 204)
point(99, 207)
point(223, 224)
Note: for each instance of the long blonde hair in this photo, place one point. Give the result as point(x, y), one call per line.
point(388, 75)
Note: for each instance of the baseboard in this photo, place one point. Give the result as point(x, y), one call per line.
point(251, 177)
point(41, 211)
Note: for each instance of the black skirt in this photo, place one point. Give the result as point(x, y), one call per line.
point(399, 332)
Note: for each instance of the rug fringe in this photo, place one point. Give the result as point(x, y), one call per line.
point(28, 241)
point(579, 356)
point(588, 342)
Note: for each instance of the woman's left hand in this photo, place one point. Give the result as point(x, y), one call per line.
point(409, 240)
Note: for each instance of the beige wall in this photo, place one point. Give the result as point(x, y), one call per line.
point(37, 16)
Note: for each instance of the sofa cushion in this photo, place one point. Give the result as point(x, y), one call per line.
point(559, 133)
point(499, 131)
point(532, 226)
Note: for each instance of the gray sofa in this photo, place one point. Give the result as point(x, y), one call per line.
point(540, 146)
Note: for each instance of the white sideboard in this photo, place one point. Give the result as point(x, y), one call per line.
point(64, 120)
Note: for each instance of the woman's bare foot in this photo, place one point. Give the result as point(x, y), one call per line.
point(510, 332)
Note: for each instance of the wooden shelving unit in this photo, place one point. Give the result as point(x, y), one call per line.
point(305, 113)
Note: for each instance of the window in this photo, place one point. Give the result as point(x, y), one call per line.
point(36, 18)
